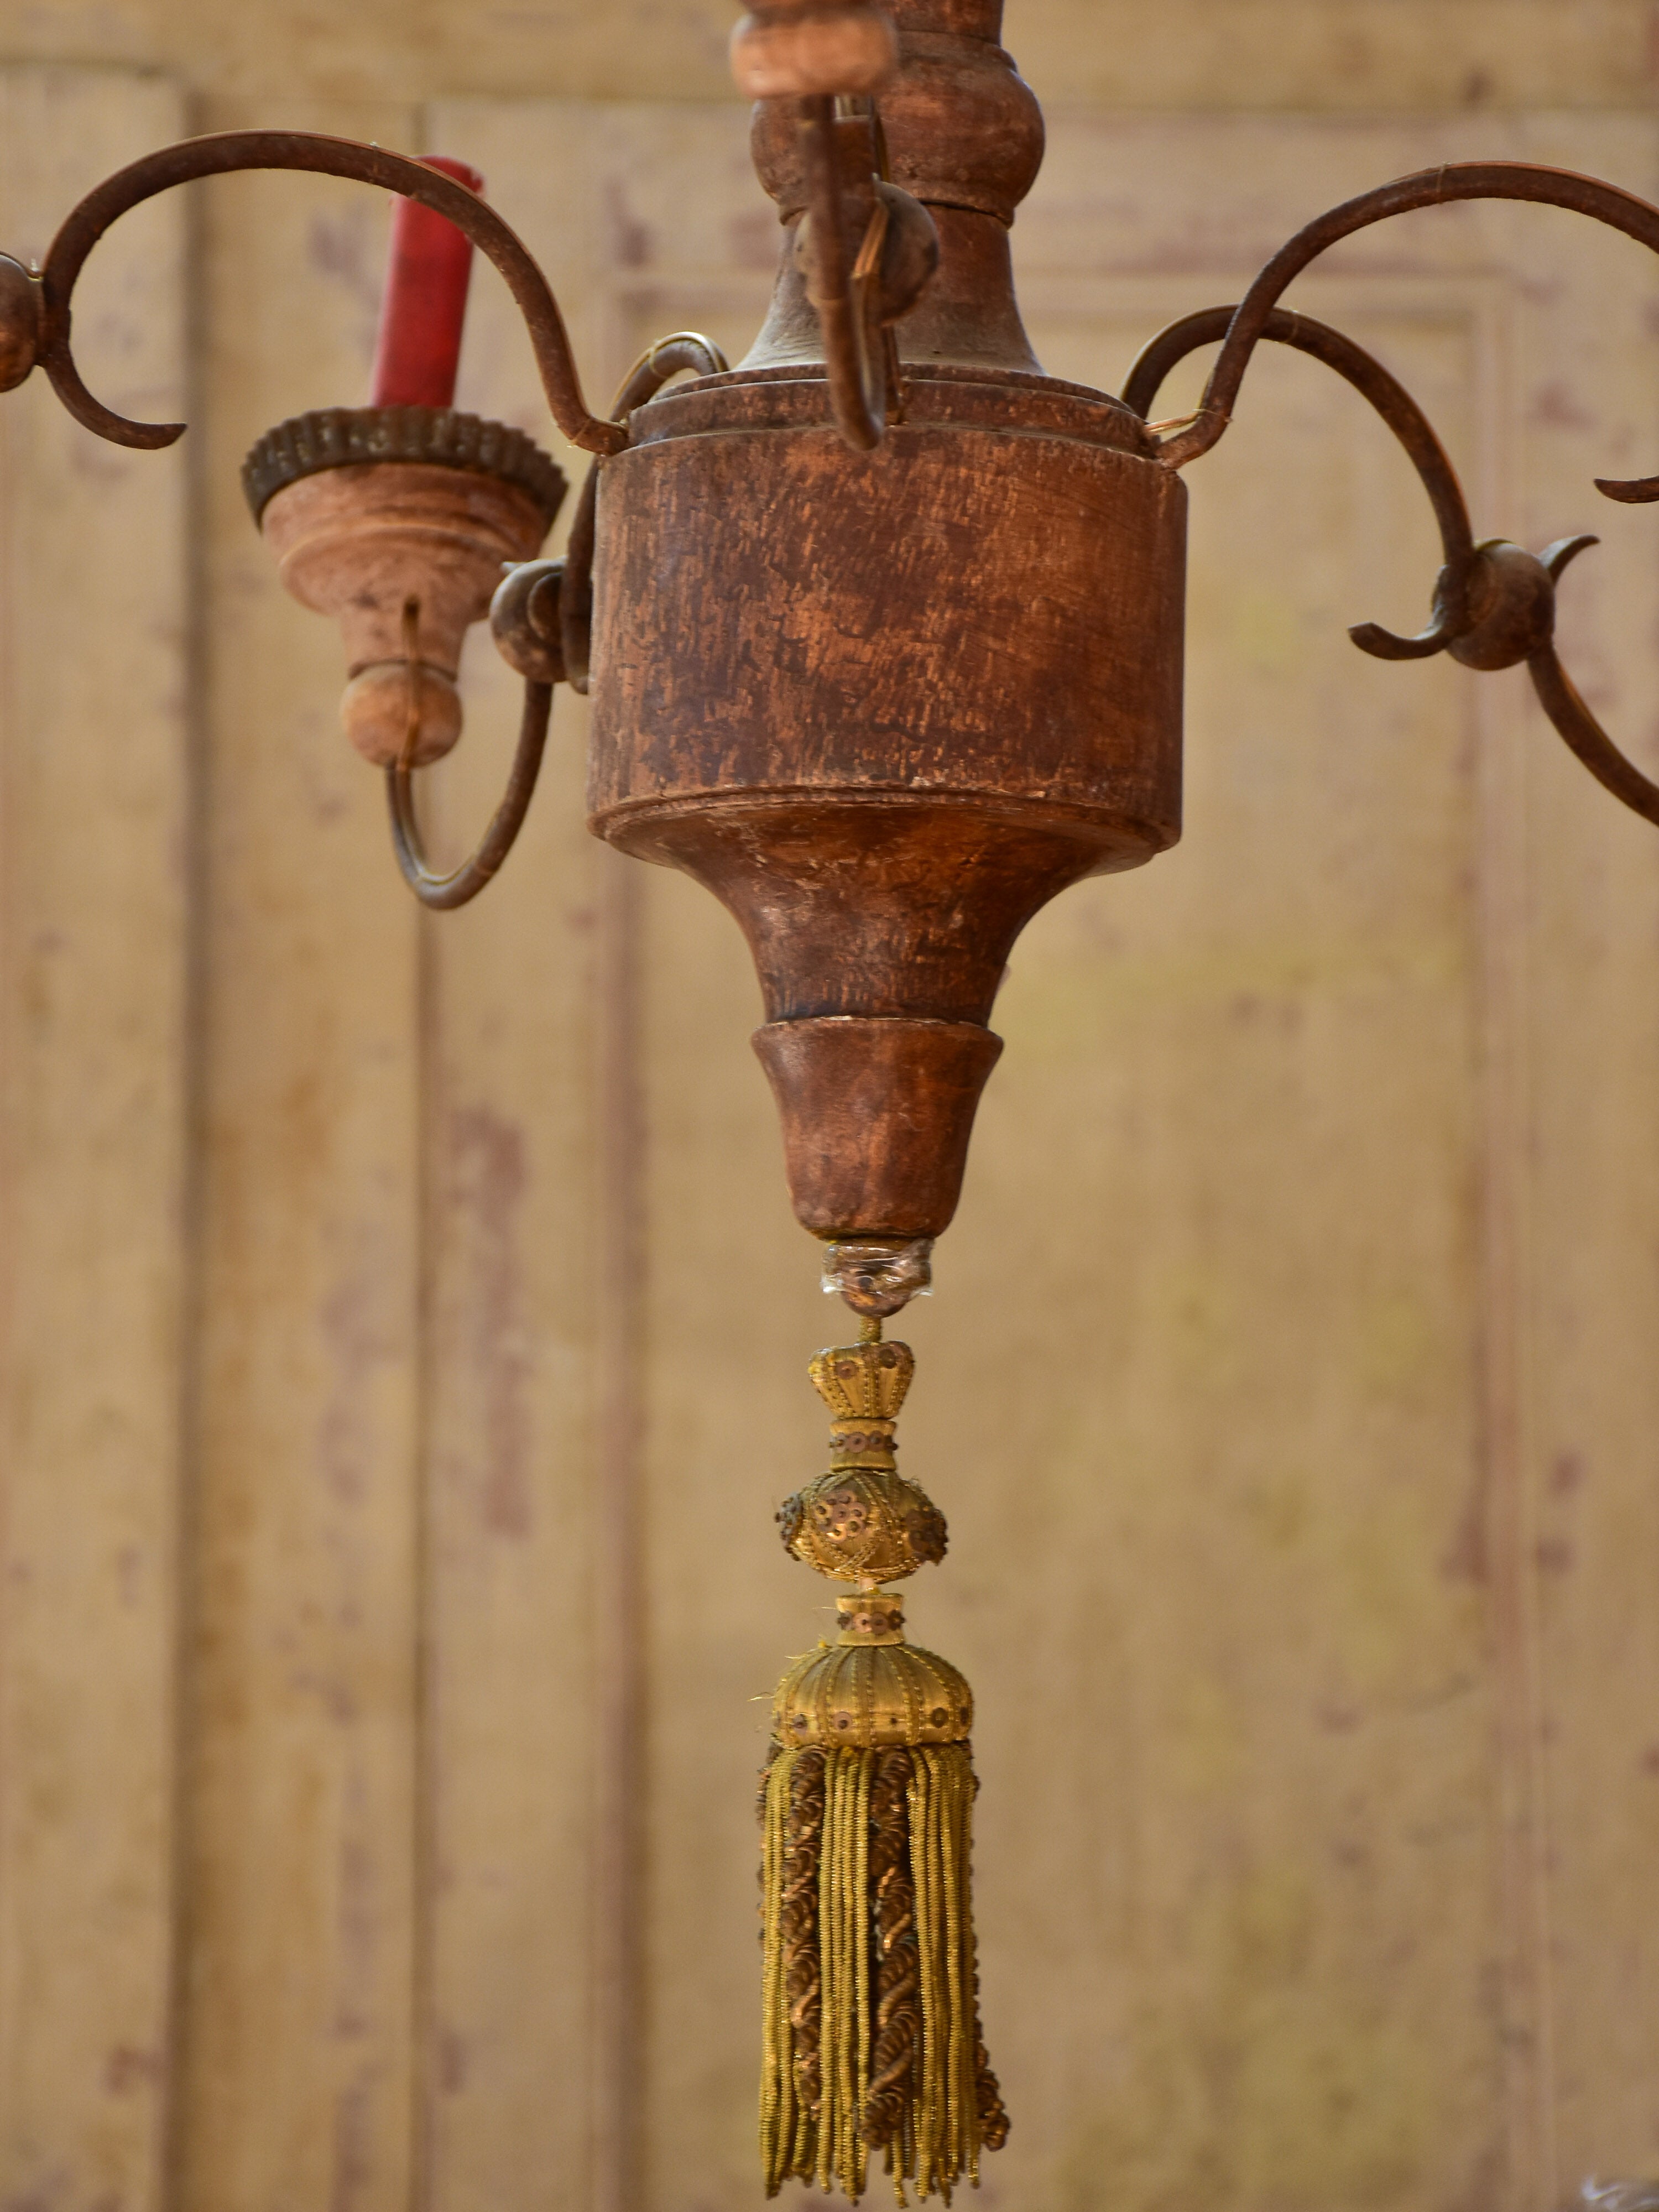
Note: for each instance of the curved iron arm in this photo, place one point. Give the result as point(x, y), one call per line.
point(465, 882)
point(1454, 180)
point(655, 366)
point(1494, 604)
point(226, 151)
point(1398, 410)
point(1559, 697)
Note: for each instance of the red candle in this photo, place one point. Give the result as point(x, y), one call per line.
point(425, 303)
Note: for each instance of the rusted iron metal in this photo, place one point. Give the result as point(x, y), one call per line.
point(523, 621)
point(1494, 603)
point(868, 250)
point(843, 207)
point(865, 249)
point(1559, 697)
point(1397, 409)
point(465, 882)
point(848, 286)
point(224, 152)
point(1453, 180)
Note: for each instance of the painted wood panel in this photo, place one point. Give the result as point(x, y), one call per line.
point(595, 192)
point(296, 2058)
point(528, 1966)
point(95, 880)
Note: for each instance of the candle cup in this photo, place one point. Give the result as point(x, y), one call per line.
point(398, 522)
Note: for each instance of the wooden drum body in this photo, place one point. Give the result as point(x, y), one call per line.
point(885, 706)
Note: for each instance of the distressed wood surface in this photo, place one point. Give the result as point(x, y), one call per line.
point(296, 2059)
point(960, 656)
point(94, 885)
point(526, 1962)
point(1289, 1384)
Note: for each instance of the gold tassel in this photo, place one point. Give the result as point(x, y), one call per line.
point(870, 2040)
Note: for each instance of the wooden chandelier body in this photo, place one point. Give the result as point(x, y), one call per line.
point(885, 708)
point(887, 704)
point(883, 631)
point(884, 626)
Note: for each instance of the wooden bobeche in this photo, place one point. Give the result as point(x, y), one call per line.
point(398, 521)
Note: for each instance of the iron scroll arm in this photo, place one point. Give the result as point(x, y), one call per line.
point(224, 152)
point(1494, 603)
point(861, 285)
point(528, 634)
point(528, 637)
point(1398, 410)
point(868, 250)
point(840, 280)
point(1453, 180)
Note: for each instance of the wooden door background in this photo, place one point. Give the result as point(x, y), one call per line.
point(403, 1327)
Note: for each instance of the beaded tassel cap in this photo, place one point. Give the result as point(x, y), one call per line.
point(872, 2043)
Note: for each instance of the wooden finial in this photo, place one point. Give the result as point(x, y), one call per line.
point(804, 52)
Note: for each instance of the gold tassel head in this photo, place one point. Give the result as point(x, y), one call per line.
point(870, 1689)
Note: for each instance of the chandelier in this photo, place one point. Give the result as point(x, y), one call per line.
point(883, 632)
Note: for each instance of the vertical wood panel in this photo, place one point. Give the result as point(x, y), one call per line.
point(301, 1859)
point(1225, 1231)
point(1585, 397)
point(528, 1267)
point(92, 883)
point(618, 206)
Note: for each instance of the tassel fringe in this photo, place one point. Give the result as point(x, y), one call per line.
point(871, 2040)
